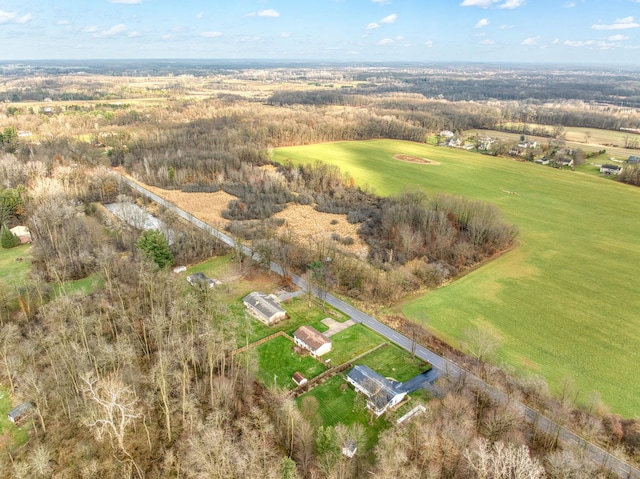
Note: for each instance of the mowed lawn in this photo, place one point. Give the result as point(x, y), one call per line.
point(338, 403)
point(15, 264)
point(277, 362)
point(564, 302)
point(11, 435)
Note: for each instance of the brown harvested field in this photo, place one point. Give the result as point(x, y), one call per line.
point(305, 222)
point(206, 206)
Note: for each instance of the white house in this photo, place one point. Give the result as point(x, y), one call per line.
point(610, 169)
point(381, 393)
point(447, 134)
point(21, 232)
point(264, 307)
point(308, 337)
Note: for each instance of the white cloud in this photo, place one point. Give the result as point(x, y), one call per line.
point(428, 43)
point(399, 38)
point(387, 2)
point(617, 38)
point(510, 4)
point(200, 15)
point(285, 35)
point(13, 17)
point(486, 42)
point(24, 18)
point(389, 18)
point(169, 36)
point(372, 25)
point(270, 13)
point(482, 23)
point(505, 27)
point(126, 2)
point(569, 4)
point(590, 43)
point(90, 29)
point(530, 41)
point(620, 24)
point(134, 34)
point(385, 41)
point(555, 41)
point(62, 22)
point(211, 34)
point(110, 32)
point(477, 3)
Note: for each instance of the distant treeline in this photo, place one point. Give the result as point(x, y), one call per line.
point(539, 84)
point(434, 115)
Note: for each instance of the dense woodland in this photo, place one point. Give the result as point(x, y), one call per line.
point(136, 380)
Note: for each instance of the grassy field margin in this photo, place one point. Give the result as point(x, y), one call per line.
point(563, 301)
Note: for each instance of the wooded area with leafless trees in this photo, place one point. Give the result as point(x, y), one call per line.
point(136, 378)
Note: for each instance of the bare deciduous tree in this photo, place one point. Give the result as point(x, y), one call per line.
point(502, 461)
point(114, 411)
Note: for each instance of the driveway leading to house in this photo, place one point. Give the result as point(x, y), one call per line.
point(444, 366)
point(336, 326)
point(418, 381)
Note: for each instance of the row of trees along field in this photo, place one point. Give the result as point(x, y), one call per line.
point(429, 242)
point(183, 406)
point(134, 379)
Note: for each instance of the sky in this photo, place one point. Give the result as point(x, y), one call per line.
point(529, 31)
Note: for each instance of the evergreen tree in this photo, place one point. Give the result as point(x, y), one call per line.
point(154, 246)
point(7, 238)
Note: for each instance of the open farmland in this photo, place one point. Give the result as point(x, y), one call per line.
point(563, 302)
point(575, 138)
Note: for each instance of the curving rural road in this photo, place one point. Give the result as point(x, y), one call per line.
point(445, 366)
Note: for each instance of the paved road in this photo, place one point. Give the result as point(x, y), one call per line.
point(444, 366)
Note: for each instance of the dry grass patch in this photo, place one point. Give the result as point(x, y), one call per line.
point(305, 222)
point(206, 206)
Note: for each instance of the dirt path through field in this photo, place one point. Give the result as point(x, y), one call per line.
point(415, 159)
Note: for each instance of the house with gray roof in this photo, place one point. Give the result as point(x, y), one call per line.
point(264, 307)
point(20, 412)
point(610, 169)
point(381, 393)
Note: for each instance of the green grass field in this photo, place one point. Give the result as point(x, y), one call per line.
point(14, 271)
point(338, 403)
point(564, 301)
point(11, 435)
point(351, 342)
point(301, 313)
point(393, 362)
point(277, 362)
